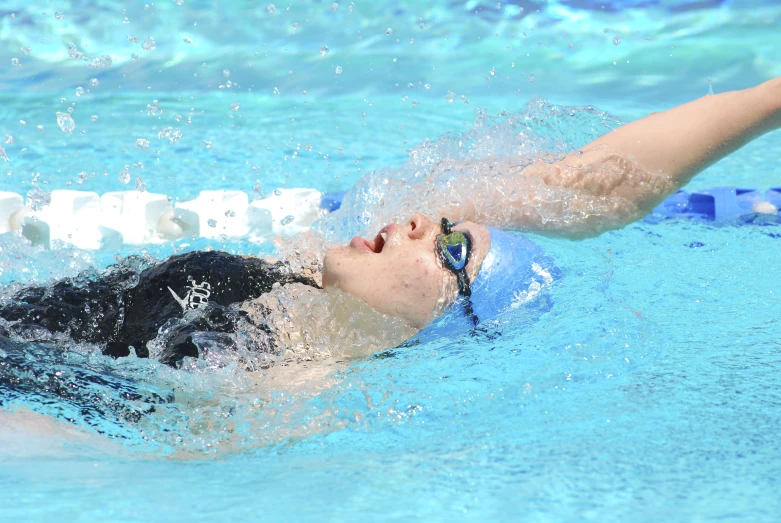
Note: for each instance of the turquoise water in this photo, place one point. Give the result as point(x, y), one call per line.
point(649, 390)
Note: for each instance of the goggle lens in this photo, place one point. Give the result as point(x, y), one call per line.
point(454, 247)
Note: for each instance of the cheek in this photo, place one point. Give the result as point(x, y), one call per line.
point(418, 277)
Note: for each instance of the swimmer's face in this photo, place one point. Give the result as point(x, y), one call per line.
point(398, 272)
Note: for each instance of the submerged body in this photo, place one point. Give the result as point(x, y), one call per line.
point(123, 309)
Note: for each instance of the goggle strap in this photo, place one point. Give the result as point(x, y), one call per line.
point(466, 291)
point(470, 312)
point(463, 284)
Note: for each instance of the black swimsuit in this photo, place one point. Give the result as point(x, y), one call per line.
point(124, 307)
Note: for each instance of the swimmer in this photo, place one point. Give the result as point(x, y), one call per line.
point(431, 275)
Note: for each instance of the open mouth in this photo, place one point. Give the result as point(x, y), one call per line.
point(375, 246)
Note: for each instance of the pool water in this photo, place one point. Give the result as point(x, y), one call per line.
point(647, 387)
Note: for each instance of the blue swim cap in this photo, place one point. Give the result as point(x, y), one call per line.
point(513, 273)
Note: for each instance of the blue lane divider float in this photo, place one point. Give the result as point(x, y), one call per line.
point(720, 203)
point(332, 201)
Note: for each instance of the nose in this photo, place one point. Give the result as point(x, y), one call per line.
point(419, 226)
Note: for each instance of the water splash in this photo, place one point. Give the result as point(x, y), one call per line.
point(481, 163)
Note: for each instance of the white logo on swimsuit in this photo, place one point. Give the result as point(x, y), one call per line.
point(197, 295)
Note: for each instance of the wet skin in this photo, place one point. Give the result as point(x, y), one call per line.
point(398, 272)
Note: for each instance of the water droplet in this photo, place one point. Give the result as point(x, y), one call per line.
point(40, 127)
point(94, 117)
point(26, 49)
point(9, 140)
point(65, 122)
point(230, 214)
point(37, 198)
point(124, 175)
point(79, 91)
point(100, 62)
point(335, 7)
point(278, 192)
point(338, 69)
point(154, 109)
point(149, 44)
point(179, 2)
point(187, 40)
point(276, 91)
point(606, 30)
point(94, 82)
point(140, 185)
point(389, 31)
point(287, 220)
point(4, 156)
point(616, 40)
point(212, 222)
point(82, 177)
point(15, 62)
point(173, 135)
point(22, 122)
point(271, 8)
point(73, 52)
point(207, 144)
point(324, 50)
point(126, 20)
point(350, 8)
point(132, 39)
point(58, 15)
point(225, 72)
point(235, 106)
point(142, 143)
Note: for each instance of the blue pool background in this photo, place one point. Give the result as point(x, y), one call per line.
point(649, 391)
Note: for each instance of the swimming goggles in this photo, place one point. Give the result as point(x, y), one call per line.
point(454, 248)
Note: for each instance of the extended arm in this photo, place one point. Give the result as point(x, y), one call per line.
point(624, 174)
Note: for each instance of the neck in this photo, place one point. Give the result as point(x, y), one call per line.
point(311, 324)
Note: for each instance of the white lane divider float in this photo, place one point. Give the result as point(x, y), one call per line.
point(140, 217)
point(71, 217)
point(90, 221)
point(11, 205)
point(286, 211)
